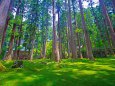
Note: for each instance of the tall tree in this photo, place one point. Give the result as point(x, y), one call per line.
point(59, 31)
point(5, 28)
point(77, 34)
point(8, 55)
point(87, 38)
point(73, 44)
point(96, 20)
point(55, 44)
point(67, 29)
point(105, 13)
point(4, 7)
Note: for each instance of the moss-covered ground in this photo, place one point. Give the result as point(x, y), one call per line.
point(66, 73)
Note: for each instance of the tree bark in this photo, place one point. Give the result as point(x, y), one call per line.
point(67, 31)
point(9, 53)
point(55, 43)
point(73, 44)
point(87, 38)
point(4, 32)
point(112, 33)
point(77, 34)
point(20, 36)
point(113, 1)
point(32, 49)
point(4, 7)
point(59, 35)
point(98, 26)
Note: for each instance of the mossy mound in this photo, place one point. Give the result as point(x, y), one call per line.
point(2, 68)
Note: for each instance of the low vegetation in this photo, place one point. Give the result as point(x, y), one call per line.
point(68, 72)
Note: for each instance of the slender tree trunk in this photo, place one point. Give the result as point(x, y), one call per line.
point(77, 34)
point(59, 33)
point(108, 37)
point(112, 33)
point(68, 43)
point(4, 32)
point(44, 49)
point(113, 1)
point(87, 38)
point(8, 55)
point(55, 44)
point(98, 26)
point(19, 42)
point(4, 7)
point(20, 36)
point(73, 44)
point(45, 38)
point(67, 31)
point(32, 49)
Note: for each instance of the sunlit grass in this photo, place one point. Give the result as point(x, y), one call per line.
point(66, 73)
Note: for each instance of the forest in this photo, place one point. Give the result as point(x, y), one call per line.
point(57, 42)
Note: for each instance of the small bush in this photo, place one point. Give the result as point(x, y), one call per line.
point(2, 68)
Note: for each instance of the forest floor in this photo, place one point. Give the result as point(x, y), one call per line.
point(67, 73)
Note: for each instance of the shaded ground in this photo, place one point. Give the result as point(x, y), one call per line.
point(67, 73)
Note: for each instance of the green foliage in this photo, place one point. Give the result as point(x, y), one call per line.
point(49, 49)
point(19, 47)
point(78, 30)
point(18, 20)
point(34, 22)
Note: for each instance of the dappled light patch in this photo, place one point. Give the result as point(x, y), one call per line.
point(104, 67)
point(29, 78)
point(87, 72)
point(112, 59)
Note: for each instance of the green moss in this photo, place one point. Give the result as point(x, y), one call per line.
point(67, 73)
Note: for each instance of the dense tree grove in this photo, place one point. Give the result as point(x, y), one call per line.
point(56, 29)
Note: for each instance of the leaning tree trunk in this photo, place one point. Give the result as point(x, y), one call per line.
point(73, 44)
point(108, 37)
point(5, 28)
point(113, 1)
point(55, 44)
point(87, 38)
point(4, 7)
point(8, 55)
point(98, 26)
point(112, 33)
